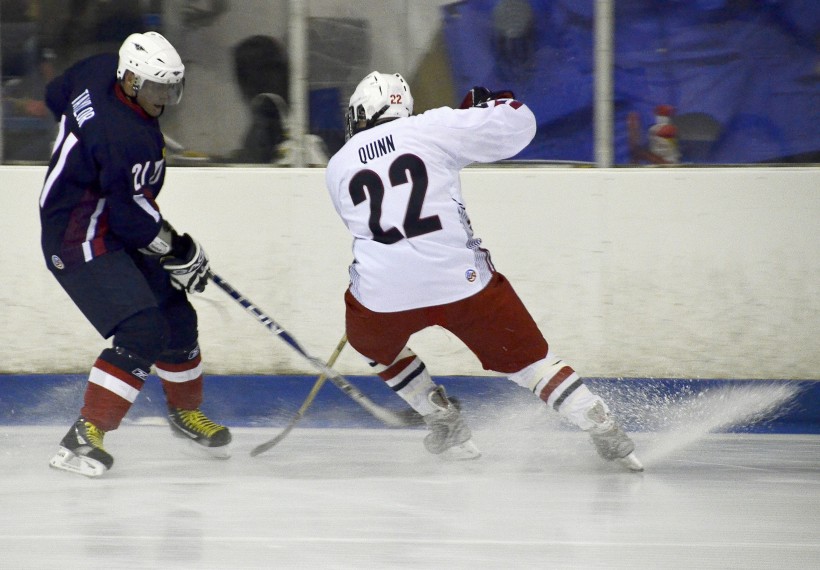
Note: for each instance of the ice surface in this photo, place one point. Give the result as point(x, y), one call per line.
point(373, 498)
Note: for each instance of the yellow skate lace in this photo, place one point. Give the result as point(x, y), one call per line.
point(94, 435)
point(195, 420)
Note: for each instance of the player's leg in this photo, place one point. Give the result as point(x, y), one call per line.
point(560, 387)
point(381, 338)
point(179, 368)
point(497, 327)
point(449, 435)
point(111, 293)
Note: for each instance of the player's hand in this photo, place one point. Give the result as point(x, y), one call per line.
point(475, 97)
point(503, 94)
point(189, 270)
point(478, 96)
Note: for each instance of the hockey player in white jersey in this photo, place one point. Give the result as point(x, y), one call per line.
point(396, 185)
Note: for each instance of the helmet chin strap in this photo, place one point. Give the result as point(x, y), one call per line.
point(377, 115)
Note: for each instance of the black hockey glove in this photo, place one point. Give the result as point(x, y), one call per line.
point(478, 96)
point(187, 265)
point(180, 256)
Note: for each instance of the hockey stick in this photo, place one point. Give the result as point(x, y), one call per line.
point(261, 448)
point(386, 416)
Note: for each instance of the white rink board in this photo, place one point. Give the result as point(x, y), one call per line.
point(695, 273)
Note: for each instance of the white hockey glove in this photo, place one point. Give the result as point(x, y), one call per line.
point(188, 268)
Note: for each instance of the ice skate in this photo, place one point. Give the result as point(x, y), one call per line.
point(610, 440)
point(203, 433)
point(449, 436)
point(81, 451)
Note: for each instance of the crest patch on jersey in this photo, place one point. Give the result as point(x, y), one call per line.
point(471, 275)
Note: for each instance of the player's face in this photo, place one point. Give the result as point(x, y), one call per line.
point(153, 97)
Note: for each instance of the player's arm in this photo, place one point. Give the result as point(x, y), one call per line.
point(491, 125)
point(135, 218)
point(133, 215)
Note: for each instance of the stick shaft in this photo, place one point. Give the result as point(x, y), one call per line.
point(388, 417)
point(263, 447)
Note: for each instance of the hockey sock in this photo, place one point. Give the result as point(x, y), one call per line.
point(181, 374)
point(114, 383)
point(560, 387)
point(408, 377)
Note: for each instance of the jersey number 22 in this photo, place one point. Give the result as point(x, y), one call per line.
point(414, 224)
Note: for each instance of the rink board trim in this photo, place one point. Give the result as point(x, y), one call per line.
point(248, 401)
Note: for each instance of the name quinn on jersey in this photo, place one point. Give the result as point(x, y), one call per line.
point(376, 149)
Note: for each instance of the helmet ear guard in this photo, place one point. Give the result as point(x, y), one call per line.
point(356, 121)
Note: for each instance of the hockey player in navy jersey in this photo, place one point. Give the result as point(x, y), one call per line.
point(118, 259)
point(395, 184)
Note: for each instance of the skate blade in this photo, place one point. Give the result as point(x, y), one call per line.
point(461, 452)
point(69, 461)
point(199, 450)
point(631, 462)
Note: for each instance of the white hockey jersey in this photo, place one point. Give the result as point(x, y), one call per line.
point(397, 188)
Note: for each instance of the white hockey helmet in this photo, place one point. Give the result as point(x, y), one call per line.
point(377, 97)
point(159, 71)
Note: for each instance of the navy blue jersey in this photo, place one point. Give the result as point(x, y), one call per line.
point(106, 169)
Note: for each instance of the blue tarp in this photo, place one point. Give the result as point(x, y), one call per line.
point(752, 66)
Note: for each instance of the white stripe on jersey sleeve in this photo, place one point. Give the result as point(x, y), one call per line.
point(146, 205)
point(69, 143)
